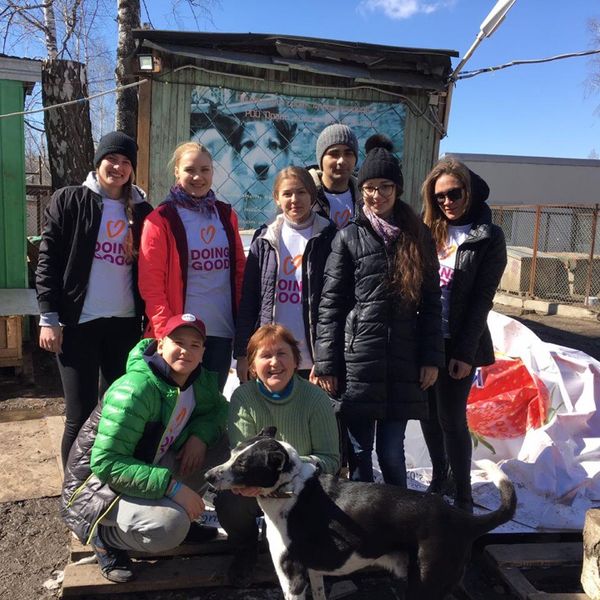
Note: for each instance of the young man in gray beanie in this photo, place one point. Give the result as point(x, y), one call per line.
point(337, 193)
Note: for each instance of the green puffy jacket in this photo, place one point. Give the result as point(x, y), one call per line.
point(114, 450)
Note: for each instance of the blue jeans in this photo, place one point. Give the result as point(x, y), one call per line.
point(217, 357)
point(390, 449)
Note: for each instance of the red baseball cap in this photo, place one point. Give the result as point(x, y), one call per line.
point(185, 320)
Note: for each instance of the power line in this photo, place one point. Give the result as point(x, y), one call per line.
point(469, 74)
point(70, 102)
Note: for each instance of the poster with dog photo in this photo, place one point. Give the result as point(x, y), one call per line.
point(252, 136)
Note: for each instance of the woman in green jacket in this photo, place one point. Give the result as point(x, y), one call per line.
point(133, 474)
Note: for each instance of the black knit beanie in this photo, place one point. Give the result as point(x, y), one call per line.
point(380, 162)
point(116, 142)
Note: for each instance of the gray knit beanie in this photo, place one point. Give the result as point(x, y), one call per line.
point(116, 142)
point(335, 134)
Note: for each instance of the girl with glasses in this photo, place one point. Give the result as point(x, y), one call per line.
point(472, 255)
point(379, 341)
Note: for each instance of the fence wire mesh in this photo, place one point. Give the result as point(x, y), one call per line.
point(553, 252)
point(252, 136)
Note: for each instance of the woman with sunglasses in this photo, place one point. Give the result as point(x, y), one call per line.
point(472, 255)
point(379, 339)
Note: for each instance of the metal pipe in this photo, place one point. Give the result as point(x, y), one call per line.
point(588, 283)
point(536, 234)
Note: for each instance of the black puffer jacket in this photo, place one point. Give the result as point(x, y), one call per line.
point(257, 306)
point(373, 343)
point(480, 262)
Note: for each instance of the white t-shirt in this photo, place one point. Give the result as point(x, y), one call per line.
point(110, 286)
point(288, 294)
point(341, 207)
point(447, 256)
point(208, 281)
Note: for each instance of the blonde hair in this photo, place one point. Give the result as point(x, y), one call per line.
point(299, 173)
point(187, 147)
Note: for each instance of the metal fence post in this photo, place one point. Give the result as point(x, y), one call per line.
point(588, 283)
point(536, 235)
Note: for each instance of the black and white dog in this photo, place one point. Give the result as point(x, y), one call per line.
point(321, 525)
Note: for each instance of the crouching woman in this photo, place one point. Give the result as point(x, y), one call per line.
point(304, 418)
point(134, 475)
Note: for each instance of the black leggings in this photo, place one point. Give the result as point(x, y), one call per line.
point(94, 354)
point(446, 432)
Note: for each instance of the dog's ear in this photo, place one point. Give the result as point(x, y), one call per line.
point(277, 460)
point(268, 432)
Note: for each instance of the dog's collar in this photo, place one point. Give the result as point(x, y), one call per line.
point(280, 492)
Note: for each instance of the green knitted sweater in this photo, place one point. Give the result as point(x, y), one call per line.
point(303, 419)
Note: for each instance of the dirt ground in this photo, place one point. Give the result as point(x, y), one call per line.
point(34, 542)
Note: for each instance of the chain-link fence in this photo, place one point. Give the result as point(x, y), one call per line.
point(553, 252)
point(252, 136)
point(38, 198)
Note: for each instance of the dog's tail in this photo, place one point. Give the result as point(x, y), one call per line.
point(508, 499)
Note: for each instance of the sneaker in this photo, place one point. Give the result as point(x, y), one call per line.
point(114, 563)
point(198, 534)
point(241, 570)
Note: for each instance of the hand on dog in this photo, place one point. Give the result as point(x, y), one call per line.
point(249, 492)
point(190, 501)
point(191, 456)
point(51, 338)
point(428, 376)
point(458, 369)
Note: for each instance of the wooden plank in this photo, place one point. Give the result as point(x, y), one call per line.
point(143, 135)
point(517, 582)
point(55, 427)
point(28, 467)
point(18, 302)
point(560, 596)
point(163, 574)
point(535, 555)
point(217, 546)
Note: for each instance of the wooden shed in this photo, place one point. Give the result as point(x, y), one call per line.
point(259, 101)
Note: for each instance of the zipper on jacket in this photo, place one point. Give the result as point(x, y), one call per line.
point(97, 522)
point(78, 491)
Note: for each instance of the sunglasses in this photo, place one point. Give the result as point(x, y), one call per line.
point(453, 195)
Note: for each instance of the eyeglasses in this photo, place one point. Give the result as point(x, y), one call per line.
point(385, 189)
point(453, 195)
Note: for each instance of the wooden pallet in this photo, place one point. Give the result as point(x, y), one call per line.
point(514, 561)
point(188, 566)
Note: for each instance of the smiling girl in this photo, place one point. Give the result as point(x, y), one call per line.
point(192, 258)
point(284, 271)
point(86, 278)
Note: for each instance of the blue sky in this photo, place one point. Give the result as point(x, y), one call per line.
point(537, 110)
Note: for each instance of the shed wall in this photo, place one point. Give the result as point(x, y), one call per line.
point(169, 115)
point(13, 263)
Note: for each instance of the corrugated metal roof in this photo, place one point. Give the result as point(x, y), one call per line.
point(368, 63)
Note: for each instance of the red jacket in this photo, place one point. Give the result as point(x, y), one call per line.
point(163, 263)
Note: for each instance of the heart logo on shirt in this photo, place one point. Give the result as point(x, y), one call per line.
point(342, 218)
point(208, 233)
point(291, 264)
point(114, 228)
point(447, 251)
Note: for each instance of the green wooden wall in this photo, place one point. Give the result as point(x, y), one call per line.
point(13, 246)
point(170, 122)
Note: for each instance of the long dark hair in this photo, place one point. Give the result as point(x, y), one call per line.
point(412, 256)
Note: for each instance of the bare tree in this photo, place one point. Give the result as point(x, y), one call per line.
point(128, 18)
point(53, 28)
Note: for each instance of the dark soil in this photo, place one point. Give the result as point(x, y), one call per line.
point(34, 542)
